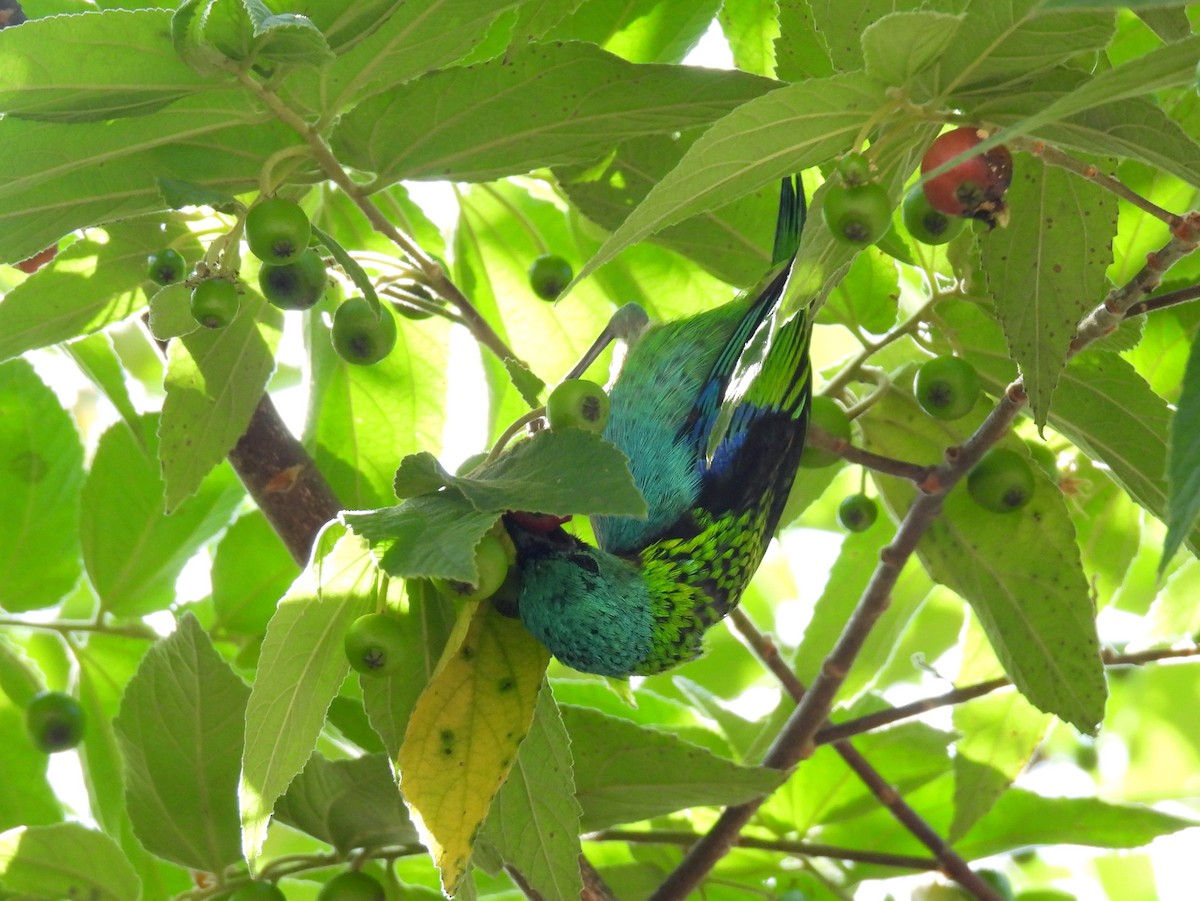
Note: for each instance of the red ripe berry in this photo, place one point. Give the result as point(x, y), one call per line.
point(974, 188)
point(537, 522)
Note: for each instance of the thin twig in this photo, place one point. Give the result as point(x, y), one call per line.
point(914, 472)
point(68, 626)
point(1162, 301)
point(800, 849)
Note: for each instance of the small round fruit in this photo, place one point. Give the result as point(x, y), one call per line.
point(294, 286)
point(415, 313)
point(973, 188)
point(854, 169)
point(258, 891)
point(492, 562)
point(858, 214)
point(1002, 481)
point(946, 387)
point(927, 225)
point(361, 337)
point(542, 523)
point(351, 886)
point(375, 644)
point(165, 267)
point(55, 721)
point(277, 231)
point(577, 404)
point(826, 414)
point(215, 302)
point(548, 275)
point(857, 513)
point(998, 881)
point(32, 264)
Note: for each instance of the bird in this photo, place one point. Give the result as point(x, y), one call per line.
point(711, 411)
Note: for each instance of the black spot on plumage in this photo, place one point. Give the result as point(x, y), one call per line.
point(583, 561)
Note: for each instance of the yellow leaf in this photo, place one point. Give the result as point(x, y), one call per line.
point(463, 734)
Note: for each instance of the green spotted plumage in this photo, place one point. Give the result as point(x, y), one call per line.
point(715, 469)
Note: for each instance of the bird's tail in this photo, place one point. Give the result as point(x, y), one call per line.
point(792, 212)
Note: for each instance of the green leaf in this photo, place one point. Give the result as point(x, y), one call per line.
point(810, 122)
point(252, 569)
point(534, 820)
point(287, 38)
point(178, 193)
point(171, 313)
point(93, 283)
point(751, 27)
point(348, 804)
point(1183, 473)
point(66, 860)
point(1108, 4)
point(41, 471)
point(574, 101)
point(801, 49)
point(1004, 43)
point(98, 360)
point(733, 242)
point(26, 796)
point(641, 31)
point(897, 47)
point(132, 550)
point(1021, 818)
point(94, 65)
point(362, 419)
point(300, 669)
point(1020, 572)
point(105, 171)
point(867, 297)
point(534, 475)
point(181, 728)
point(214, 383)
point(412, 39)
point(1068, 223)
point(432, 536)
point(625, 773)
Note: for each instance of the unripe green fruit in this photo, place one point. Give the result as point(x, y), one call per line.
point(492, 562)
point(946, 387)
point(215, 302)
point(1002, 481)
point(277, 231)
point(579, 404)
point(998, 881)
point(827, 415)
point(351, 886)
point(857, 513)
point(549, 274)
point(926, 224)
point(258, 891)
point(1044, 457)
point(55, 721)
point(359, 336)
point(375, 644)
point(165, 267)
point(859, 214)
point(294, 286)
point(853, 169)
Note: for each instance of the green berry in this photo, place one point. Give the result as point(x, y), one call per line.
point(351, 886)
point(258, 891)
point(853, 169)
point(946, 387)
point(376, 644)
point(215, 302)
point(55, 721)
point(859, 214)
point(415, 313)
point(578, 404)
point(165, 267)
point(492, 562)
point(857, 513)
point(926, 224)
point(277, 231)
point(361, 337)
point(549, 274)
point(1002, 481)
point(294, 286)
point(826, 414)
